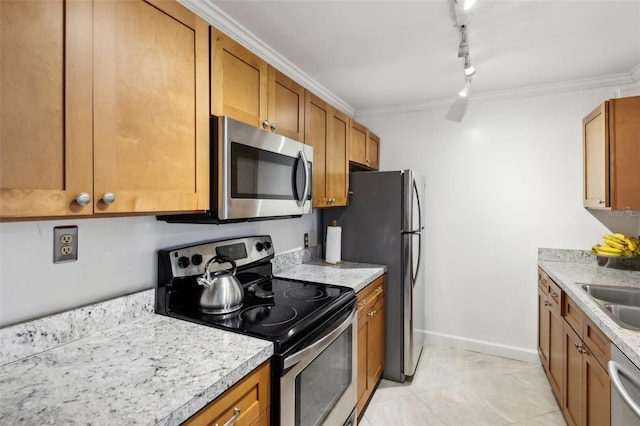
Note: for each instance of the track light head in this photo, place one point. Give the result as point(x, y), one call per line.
point(469, 69)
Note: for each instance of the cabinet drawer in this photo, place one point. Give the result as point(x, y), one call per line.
point(543, 280)
point(597, 342)
point(370, 295)
point(251, 396)
point(573, 315)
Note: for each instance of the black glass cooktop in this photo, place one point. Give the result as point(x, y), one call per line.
point(278, 310)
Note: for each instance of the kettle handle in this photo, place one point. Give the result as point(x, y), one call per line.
point(219, 259)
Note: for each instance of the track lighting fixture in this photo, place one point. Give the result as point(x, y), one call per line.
point(460, 15)
point(469, 69)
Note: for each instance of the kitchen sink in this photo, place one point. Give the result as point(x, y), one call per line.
point(621, 304)
point(627, 315)
point(616, 295)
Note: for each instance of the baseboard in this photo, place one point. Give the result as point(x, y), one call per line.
point(491, 348)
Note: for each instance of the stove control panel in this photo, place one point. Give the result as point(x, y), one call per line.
point(190, 260)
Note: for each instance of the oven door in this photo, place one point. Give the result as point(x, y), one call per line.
point(262, 174)
point(319, 382)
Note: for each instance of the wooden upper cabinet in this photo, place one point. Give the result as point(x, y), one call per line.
point(611, 155)
point(107, 91)
point(239, 81)
point(327, 131)
point(45, 108)
point(373, 151)
point(364, 147)
point(286, 106)
point(248, 89)
point(151, 126)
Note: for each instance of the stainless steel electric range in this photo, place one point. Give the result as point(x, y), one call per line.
point(312, 326)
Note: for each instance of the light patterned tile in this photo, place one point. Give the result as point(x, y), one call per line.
point(462, 406)
point(515, 399)
point(550, 419)
point(388, 389)
point(364, 422)
point(406, 411)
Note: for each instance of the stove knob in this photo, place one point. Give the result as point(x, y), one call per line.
point(259, 246)
point(196, 259)
point(183, 261)
point(267, 245)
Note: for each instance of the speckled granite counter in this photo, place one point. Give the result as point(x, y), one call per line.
point(569, 274)
point(348, 274)
point(154, 370)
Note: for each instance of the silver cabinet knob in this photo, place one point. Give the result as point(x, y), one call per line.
point(601, 202)
point(265, 124)
point(83, 199)
point(273, 127)
point(108, 198)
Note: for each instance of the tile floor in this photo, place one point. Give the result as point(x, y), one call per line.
point(459, 388)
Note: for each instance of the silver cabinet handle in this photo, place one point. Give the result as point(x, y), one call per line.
point(547, 303)
point(362, 302)
point(615, 370)
point(600, 202)
point(108, 198)
point(273, 127)
point(232, 421)
point(553, 294)
point(265, 124)
point(83, 199)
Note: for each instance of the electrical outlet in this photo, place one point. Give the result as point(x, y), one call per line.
point(65, 244)
point(306, 240)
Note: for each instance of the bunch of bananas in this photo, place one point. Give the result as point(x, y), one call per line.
point(617, 245)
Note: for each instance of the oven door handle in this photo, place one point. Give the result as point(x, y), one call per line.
point(615, 371)
point(320, 344)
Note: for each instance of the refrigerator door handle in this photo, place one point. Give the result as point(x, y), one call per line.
point(415, 277)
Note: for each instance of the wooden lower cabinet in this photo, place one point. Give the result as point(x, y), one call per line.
point(574, 353)
point(249, 400)
point(371, 310)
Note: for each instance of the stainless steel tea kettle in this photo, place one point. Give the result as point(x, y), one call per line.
point(222, 293)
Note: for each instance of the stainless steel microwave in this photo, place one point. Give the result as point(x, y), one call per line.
point(255, 175)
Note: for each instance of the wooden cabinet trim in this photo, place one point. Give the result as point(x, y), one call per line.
point(573, 315)
point(597, 342)
point(596, 157)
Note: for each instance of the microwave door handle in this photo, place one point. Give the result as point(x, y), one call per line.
point(305, 192)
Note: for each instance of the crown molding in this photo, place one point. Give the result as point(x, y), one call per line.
point(225, 23)
point(623, 79)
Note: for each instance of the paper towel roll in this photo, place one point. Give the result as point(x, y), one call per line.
point(334, 244)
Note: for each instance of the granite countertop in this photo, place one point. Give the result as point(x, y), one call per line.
point(569, 276)
point(348, 274)
point(152, 371)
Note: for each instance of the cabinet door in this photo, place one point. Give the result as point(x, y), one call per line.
point(239, 81)
point(597, 392)
point(376, 343)
point(556, 353)
point(286, 106)
point(572, 400)
point(45, 108)
point(624, 133)
point(150, 116)
point(316, 134)
point(358, 143)
point(373, 151)
point(544, 320)
point(337, 164)
point(596, 157)
point(363, 362)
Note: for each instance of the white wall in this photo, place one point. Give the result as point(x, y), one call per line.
point(117, 256)
point(500, 184)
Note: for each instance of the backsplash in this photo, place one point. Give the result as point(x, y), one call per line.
point(32, 337)
point(296, 257)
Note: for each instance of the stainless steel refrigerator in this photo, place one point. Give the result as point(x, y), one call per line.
point(384, 224)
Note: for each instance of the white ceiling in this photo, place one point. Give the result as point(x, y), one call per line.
point(377, 54)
